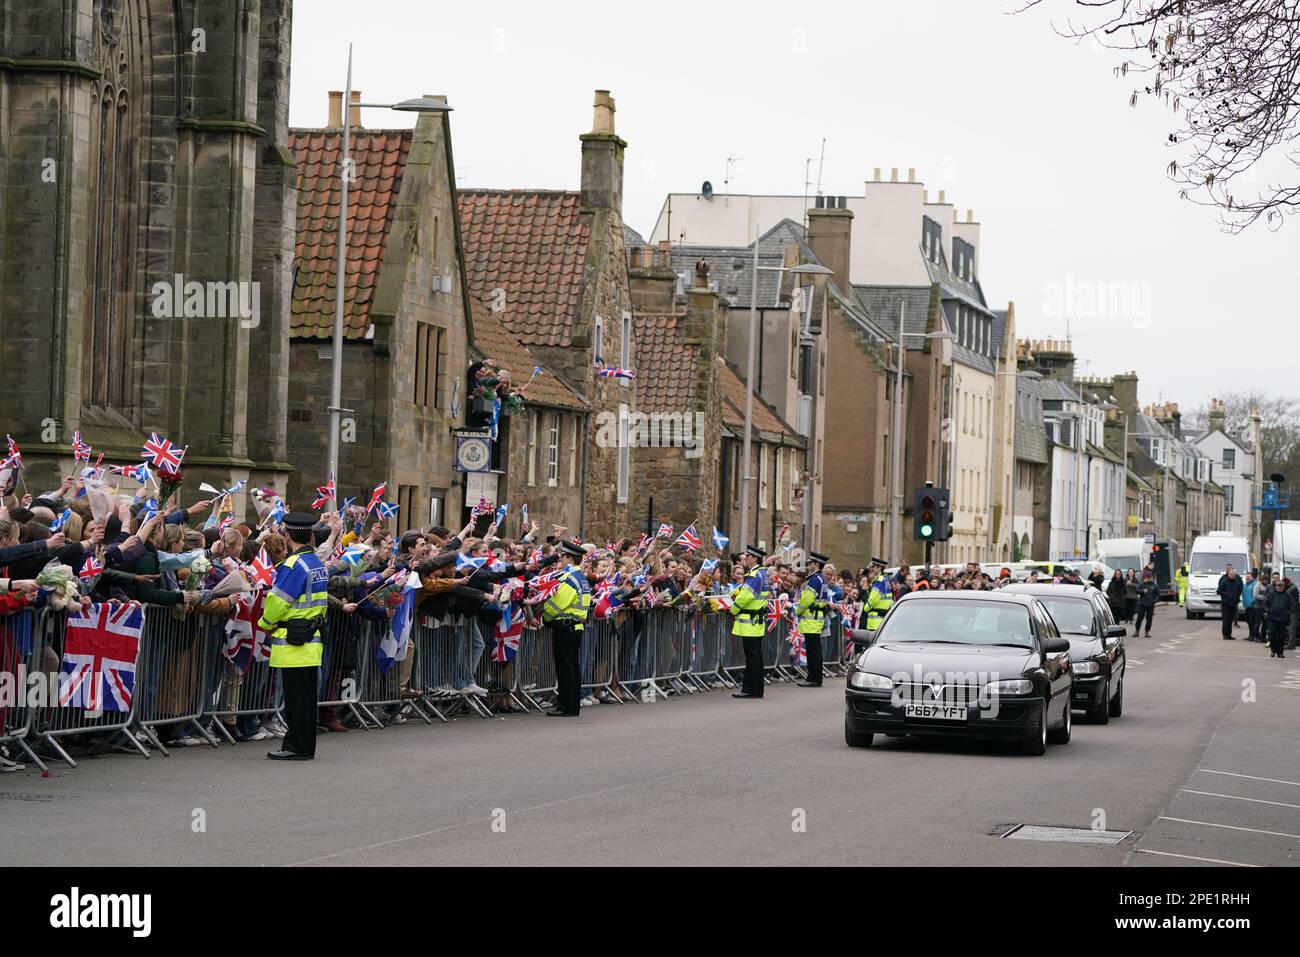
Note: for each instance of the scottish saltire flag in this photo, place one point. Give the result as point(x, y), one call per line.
point(466, 563)
point(708, 564)
point(689, 539)
point(665, 531)
point(397, 643)
point(509, 629)
point(496, 419)
point(162, 453)
point(100, 649)
point(348, 502)
point(387, 509)
point(149, 511)
point(60, 521)
point(141, 473)
point(502, 511)
point(720, 541)
point(352, 554)
point(277, 512)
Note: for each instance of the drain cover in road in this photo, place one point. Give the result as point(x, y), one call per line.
point(1071, 835)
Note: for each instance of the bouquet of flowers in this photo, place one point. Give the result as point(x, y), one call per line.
point(58, 580)
point(169, 482)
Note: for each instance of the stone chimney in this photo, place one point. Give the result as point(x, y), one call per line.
point(1218, 417)
point(829, 237)
point(354, 110)
point(651, 279)
point(336, 109)
point(602, 159)
point(1125, 390)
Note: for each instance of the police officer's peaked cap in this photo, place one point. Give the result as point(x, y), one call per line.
point(818, 557)
point(300, 521)
point(569, 548)
point(756, 552)
point(879, 561)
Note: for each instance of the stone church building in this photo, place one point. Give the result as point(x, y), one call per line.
point(144, 166)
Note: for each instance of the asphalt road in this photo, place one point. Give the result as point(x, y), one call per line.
point(1196, 772)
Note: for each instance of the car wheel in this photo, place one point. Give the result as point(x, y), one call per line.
point(1101, 714)
point(1061, 735)
point(1190, 616)
point(1117, 703)
point(1036, 743)
point(857, 739)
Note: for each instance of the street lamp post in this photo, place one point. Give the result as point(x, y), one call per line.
point(421, 104)
point(806, 269)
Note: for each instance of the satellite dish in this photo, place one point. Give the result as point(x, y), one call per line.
point(707, 190)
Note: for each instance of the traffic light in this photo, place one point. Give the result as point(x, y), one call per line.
point(943, 517)
point(925, 515)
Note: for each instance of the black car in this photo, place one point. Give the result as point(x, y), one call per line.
point(963, 663)
point(1097, 655)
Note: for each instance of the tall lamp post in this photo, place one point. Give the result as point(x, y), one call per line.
point(806, 269)
point(421, 104)
point(896, 446)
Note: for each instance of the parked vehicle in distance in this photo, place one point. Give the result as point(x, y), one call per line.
point(985, 664)
point(1211, 555)
point(1124, 553)
point(1097, 654)
point(1286, 548)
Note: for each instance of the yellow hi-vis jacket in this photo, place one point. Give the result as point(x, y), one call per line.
point(299, 592)
point(810, 608)
point(570, 601)
point(749, 606)
point(1180, 579)
point(880, 598)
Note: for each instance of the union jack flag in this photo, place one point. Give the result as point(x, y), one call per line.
point(101, 645)
point(798, 650)
point(509, 629)
point(689, 539)
point(262, 569)
point(324, 494)
point(616, 373)
point(245, 641)
point(80, 450)
point(776, 611)
point(90, 569)
point(544, 585)
point(606, 602)
point(536, 555)
point(376, 496)
point(15, 458)
point(665, 531)
point(162, 452)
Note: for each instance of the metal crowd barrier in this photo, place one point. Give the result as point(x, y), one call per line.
point(535, 680)
point(446, 665)
point(21, 658)
point(236, 694)
point(177, 657)
point(57, 722)
point(598, 655)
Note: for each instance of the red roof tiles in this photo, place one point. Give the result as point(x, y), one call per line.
point(533, 245)
point(380, 157)
point(733, 408)
point(493, 340)
point(667, 368)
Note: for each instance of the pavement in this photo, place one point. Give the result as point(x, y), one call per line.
point(1202, 767)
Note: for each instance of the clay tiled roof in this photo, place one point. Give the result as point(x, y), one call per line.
point(533, 245)
point(667, 368)
point(492, 340)
point(733, 408)
point(380, 157)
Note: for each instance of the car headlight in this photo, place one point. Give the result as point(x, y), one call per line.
point(869, 682)
point(1085, 667)
point(1016, 686)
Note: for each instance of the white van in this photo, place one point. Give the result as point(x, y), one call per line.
point(1124, 553)
point(1210, 558)
point(1286, 549)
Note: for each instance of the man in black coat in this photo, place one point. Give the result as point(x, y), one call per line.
point(1278, 617)
point(1148, 595)
point(1229, 599)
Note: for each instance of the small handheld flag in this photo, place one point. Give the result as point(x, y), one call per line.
point(162, 453)
point(689, 539)
point(58, 523)
point(262, 569)
point(665, 531)
point(376, 496)
point(80, 450)
point(720, 541)
point(464, 562)
point(141, 473)
point(387, 509)
point(502, 511)
point(708, 564)
point(90, 569)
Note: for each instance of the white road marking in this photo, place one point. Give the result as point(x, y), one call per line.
point(1134, 661)
point(1230, 827)
point(1234, 774)
point(1189, 857)
point(1234, 797)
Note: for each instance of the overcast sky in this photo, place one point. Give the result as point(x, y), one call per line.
point(1031, 131)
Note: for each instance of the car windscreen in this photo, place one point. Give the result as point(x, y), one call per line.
point(1073, 615)
point(965, 622)
point(1125, 562)
point(1216, 563)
